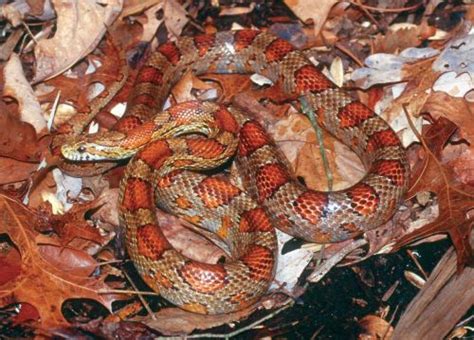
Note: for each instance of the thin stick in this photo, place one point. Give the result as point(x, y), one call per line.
point(287, 304)
point(29, 32)
point(350, 54)
point(417, 263)
point(319, 134)
point(367, 13)
point(125, 291)
point(386, 10)
point(319, 272)
point(140, 297)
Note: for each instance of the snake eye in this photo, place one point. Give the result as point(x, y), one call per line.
point(81, 149)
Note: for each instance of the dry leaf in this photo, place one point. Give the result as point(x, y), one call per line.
point(175, 17)
point(317, 11)
point(18, 87)
point(455, 199)
point(41, 283)
point(374, 328)
point(80, 27)
point(175, 321)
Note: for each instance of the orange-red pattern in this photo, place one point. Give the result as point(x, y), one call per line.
point(151, 241)
point(203, 277)
point(382, 139)
point(310, 205)
point(226, 121)
point(277, 50)
point(252, 137)
point(353, 114)
point(269, 178)
point(255, 220)
point(138, 194)
point(244, 223)
point(171, 52)
point(150, 74)
point(309, 78)
point(155, 154)
point(392, 169)
point(244, 38)
point(259, 260)
point(364, 199)
point(215, 192)
point(204, 42)
point(205, 148)
point(128, 123)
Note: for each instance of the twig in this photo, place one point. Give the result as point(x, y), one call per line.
point(319, 134)
point(417, 263)
point(125, 291)
point(144, 303)
point(344, 50)
point(287, 304)
point(29, 32)
point(386, 10)
point(367, 13)
point(319, 273)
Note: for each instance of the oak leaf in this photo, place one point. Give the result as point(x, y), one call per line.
point(39, 282)
point(455, 199)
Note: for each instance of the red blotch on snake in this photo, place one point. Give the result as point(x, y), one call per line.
point(364, 199)
point(204, 43)
point(311, 205)
point(171, 52)
point(309, 79)
point(215, 192)
point(205, 148)
point(127, 123)
point(269, 178)
point(149, 74)
point(277, 50)
point(392, 169)
point(255, 220)
point(226, 121)
point(353, 114)
point(155, 153)
point(381, 139)
point(244, 38)
point(151, 242)
point(203, 277)
point(259, 260)
point(138, 194)
point(252, 138)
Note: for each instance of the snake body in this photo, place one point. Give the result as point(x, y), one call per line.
point(169, 148)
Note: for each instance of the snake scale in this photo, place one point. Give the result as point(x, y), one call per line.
point(167, 150)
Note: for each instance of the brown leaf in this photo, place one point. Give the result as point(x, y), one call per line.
point(80, 26)
point(306, 10)
point(18, 87)
point(18, 139)
point(375, 328)
point(397, 40)
point(455, 199)
point(171, 321)
point(80, 90)
point(40, 283)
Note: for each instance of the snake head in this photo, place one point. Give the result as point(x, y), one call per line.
point(96, 147)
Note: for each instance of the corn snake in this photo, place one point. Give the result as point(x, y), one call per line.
point(159, 171)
